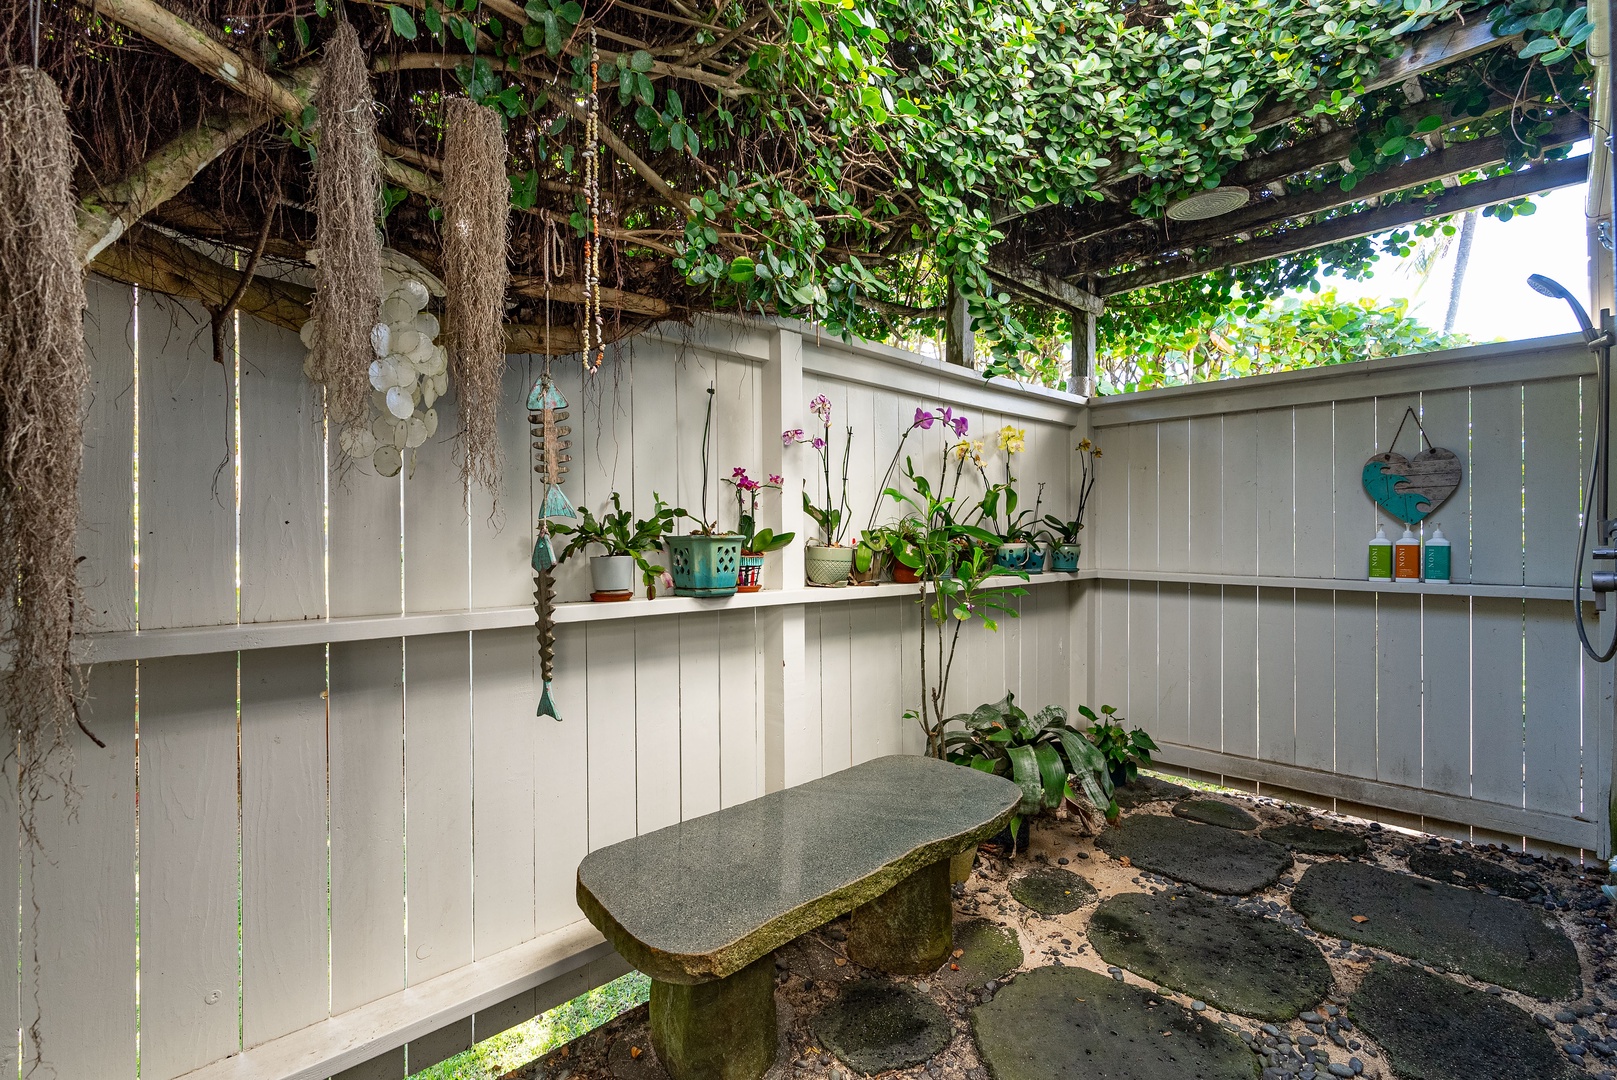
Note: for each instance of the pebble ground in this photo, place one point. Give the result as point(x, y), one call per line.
point(1322, 1042)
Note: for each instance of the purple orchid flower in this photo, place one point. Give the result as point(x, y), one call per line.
point(821, 407)
point(776, 480)
point(959, 425)
point(795, 435)
point(923, 420)
point(818, 444)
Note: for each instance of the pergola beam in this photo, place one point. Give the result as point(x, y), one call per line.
point(1045, 288)
point(1437, 165)
point(1541, 178)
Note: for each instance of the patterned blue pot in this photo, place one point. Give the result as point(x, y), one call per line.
point(1034, 563)
point(1012, 556)
point(1064, 558)
point(704, 565)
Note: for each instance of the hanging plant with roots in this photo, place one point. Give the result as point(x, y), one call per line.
point(476, 206)
point(43, 380)
point(348, 187)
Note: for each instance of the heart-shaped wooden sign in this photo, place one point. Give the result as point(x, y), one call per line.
point(1409, 489)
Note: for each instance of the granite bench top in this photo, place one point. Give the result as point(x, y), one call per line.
point(701, 900)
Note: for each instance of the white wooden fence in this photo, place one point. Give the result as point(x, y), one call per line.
point(329, 836)
point(1231, 616)
point(327, 817)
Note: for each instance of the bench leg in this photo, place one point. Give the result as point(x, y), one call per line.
point(909, 929)
point(723, 1030)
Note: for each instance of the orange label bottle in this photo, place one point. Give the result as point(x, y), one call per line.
point(1406, 557)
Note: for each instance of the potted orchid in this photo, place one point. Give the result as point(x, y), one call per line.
point(1064, 533)
point(827, 561)
point(877, 548)
point(706, 562)
point(755, 542)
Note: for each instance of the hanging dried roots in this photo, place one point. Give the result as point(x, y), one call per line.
point(348, 187)
point(476, 205)
point(43, 380)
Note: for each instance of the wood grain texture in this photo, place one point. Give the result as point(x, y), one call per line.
point(106, 483)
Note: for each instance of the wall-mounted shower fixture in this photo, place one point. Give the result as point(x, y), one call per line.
point(1595, 502)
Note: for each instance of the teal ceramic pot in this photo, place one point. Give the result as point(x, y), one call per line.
point(1064, 558)
point(704, 565)
point(1034, 564)
point(1012, 556)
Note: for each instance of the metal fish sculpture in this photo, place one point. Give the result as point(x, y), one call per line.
point(546, 409)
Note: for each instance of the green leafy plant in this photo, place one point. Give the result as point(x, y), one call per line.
point(1125, 751)
point(952, 562)
point(1049, 759)
point(621, 533)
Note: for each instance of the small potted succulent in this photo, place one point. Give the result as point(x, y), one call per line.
point(826, 561)
point(1063, 534)
point(624, 541)
point(707, 561)
point(755, 542)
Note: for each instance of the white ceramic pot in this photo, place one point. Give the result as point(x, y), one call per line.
point(827, 565)
point(613, 574)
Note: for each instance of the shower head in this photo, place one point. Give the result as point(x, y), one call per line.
point(1552, 288)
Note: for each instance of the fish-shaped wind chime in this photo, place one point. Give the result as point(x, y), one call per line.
point(546, 409)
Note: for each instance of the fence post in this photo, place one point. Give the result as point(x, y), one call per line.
point(780, 629)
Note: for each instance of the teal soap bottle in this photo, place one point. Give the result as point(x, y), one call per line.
point(1436, 557)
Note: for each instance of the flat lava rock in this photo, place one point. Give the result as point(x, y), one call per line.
point(876, 1026)
point(1219, 860)
point(1215, 812)
point(1147, 789)
point(1433, 1028)
point(1239, 962)
point(1458, 868)
point(1050, 890)
point(1490, 938)
point(987, 951)
point(1065, 1023)
point(1314, 840)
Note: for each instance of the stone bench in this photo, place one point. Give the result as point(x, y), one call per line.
point(701, 906)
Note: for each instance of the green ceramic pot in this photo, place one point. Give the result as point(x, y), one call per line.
point(827, 565)
point(1064, 558)
point(704, 565)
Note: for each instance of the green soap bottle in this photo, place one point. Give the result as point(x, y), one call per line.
point(1435, 559)
point(1380, 556)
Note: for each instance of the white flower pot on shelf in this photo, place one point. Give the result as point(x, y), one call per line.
point(827, 565)
point(612, 577)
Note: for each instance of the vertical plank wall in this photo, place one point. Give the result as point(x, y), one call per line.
point(324, 821)
point(1224, 512)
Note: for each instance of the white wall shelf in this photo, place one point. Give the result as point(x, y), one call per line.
point(200, 640)
point(1456, 588)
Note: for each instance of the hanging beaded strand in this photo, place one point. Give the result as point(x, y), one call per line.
point(594, 336)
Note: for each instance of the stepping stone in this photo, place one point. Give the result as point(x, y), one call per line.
point(1050, 890)
point(876, 1026)
point(1063, 1023)
point(1214, 812)
point(1433, 1028)
point(1147, 789)
point(1457, 868)
point(1490, 938)
point(1315, 840)
point(1239, 962)
point(987, 951)
point(1219, 860)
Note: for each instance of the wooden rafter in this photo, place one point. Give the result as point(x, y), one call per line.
point(1266, 213)
point(1046, 288)
point(1546, 177)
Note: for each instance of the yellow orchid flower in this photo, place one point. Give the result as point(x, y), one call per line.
point(1012, 439)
